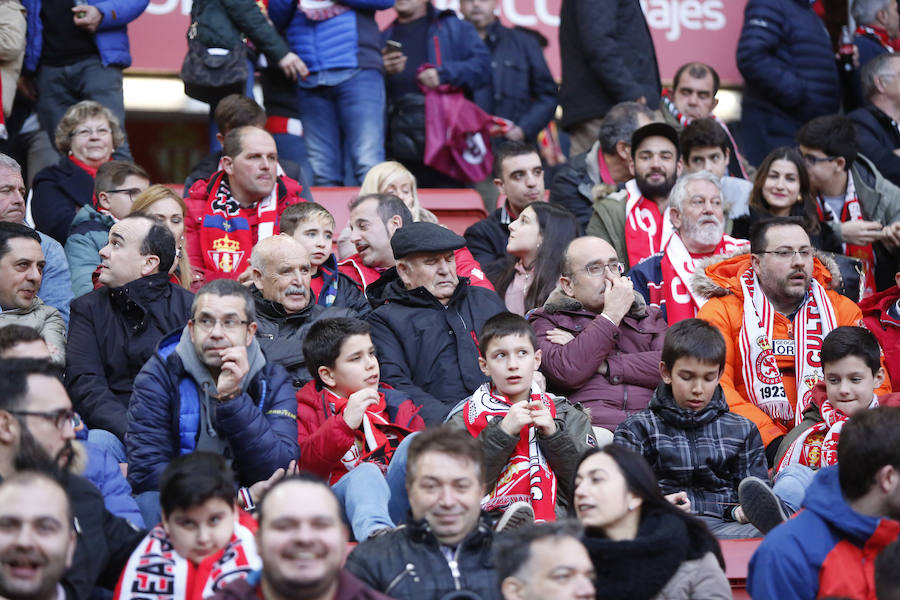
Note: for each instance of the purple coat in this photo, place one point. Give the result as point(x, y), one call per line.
point(632, 351)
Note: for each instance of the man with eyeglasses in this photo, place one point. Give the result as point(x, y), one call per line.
point(38, 423)
point(773, 308)
point(698, 212)
point(210, 387)
point(115, 329)
point(860, 206)
point(600, 342)
point(116, 186)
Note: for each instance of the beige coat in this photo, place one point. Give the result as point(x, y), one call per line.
point(46, 320)
point(12, 48)
point(698, 579)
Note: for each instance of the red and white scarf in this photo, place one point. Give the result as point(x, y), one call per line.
point(762, 379)
point(677, 266)
point(527, 476)
point(876, 35)
point(376, 438)
point(817, 447)
point(321, 10)
point(684, 121)
point(155, 570)
point(852, 211)
point(646, 230)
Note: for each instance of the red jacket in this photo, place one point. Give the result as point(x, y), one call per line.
point(887, 330)
point(207, 260)
point(324, 438)
point(466, 266)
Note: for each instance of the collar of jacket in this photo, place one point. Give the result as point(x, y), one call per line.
point(395, 291)
point(663, 404)
point(420, 531)
point(275, 310)
point(141, 292)
point(559, 302)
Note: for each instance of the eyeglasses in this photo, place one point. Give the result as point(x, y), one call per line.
point(60, 418)
point(599, 269)
point(132, 192)
point(228, 324)
point(102, 132)
point(788, 253)
point(814, 160)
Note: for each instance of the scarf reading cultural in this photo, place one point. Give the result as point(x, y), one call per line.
point(677, 266)
point(852, 211)
point(818, 445)
point(643, 227)
point(762, 379)
point(876, 35)
point(376, 438)
point(155, 570)
point(226, 231)
point(684, 121)
point(527, 476)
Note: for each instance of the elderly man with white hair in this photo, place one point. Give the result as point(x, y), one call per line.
point(698, 213)
point(280, 271)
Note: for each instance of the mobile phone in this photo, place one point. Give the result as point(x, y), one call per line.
point(391, 46)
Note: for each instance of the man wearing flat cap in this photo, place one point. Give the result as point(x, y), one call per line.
point(427, 319)
point(634, 220)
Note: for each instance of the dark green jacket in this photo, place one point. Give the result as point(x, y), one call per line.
point(222, 23)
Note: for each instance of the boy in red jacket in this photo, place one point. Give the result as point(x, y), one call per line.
point(353, 431)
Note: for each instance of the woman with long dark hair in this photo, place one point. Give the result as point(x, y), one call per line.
point(781, 189)
point(642, 546)
point(537, 242)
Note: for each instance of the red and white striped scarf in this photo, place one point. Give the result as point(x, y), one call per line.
point(527, 476)
point(852, 211)
point(646, 230)
point(817, 447)
point(877, 35)
point(814, 320)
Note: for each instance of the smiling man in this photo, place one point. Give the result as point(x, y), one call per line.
point(774, 311)
point(238, 205)
point(21, 271)
point(209, 387)
point(427, 320)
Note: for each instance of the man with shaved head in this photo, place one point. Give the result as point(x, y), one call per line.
point(601, 343)
point(280, 271)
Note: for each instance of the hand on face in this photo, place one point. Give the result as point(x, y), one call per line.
point(235, 367)
point(619, 296)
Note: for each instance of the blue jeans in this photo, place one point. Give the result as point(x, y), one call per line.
point(61, 87)
point(791, 483)
point(109, 442)
point(370, 499)
point(346, 118)
point(151, 509)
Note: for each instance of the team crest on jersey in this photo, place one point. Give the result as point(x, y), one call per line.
point(226, 254)
point(766, 367)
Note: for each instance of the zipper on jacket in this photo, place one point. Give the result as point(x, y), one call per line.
point(453, 563)
point(409, 570)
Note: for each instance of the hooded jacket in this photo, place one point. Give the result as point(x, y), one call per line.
point(172, 412)
point(718, 280)
point(706, 453)
point(428, 350)
point(827, 550)
point(631, 351)
point(887, 330)
point(88, 234)
point(46, 320)
point(408, 563)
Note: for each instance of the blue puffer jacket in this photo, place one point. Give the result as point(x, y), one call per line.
point(103, 471)
point(790, 75)
point(111, 36)
point(465, 61)
point(259, 425)
point(349, 40)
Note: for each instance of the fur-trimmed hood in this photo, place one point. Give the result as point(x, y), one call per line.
point(719, 275)
point(559, 302)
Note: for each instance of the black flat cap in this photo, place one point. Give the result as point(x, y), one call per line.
point(424, 237)
point(653, 130)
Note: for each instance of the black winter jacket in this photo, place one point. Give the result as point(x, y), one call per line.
point(426, 349)
point(607, 57)
point(408, 564)
point(112, 333)
point(281, 335)
point(878, 138)
point(58, 192)
point(222, 24)
point(487, 238)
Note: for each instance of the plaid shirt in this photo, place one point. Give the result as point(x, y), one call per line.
point(704, 453)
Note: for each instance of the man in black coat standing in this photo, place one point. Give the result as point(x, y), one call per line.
point(115, 329)
point(607, 57)
point(876, 122)
point(427, 321)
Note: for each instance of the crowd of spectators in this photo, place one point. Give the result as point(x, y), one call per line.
point(691, 338)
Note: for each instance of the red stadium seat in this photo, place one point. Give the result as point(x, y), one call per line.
point(737, 555)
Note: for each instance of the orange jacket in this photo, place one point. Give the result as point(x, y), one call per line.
point(725, 310)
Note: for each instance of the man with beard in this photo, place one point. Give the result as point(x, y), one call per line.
point(210, 387)
point(302, 541)
point(632, 219)
point(37, 540)
point(36, 432)
point(774, 310)
point(280, 271)
point(698, 213)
